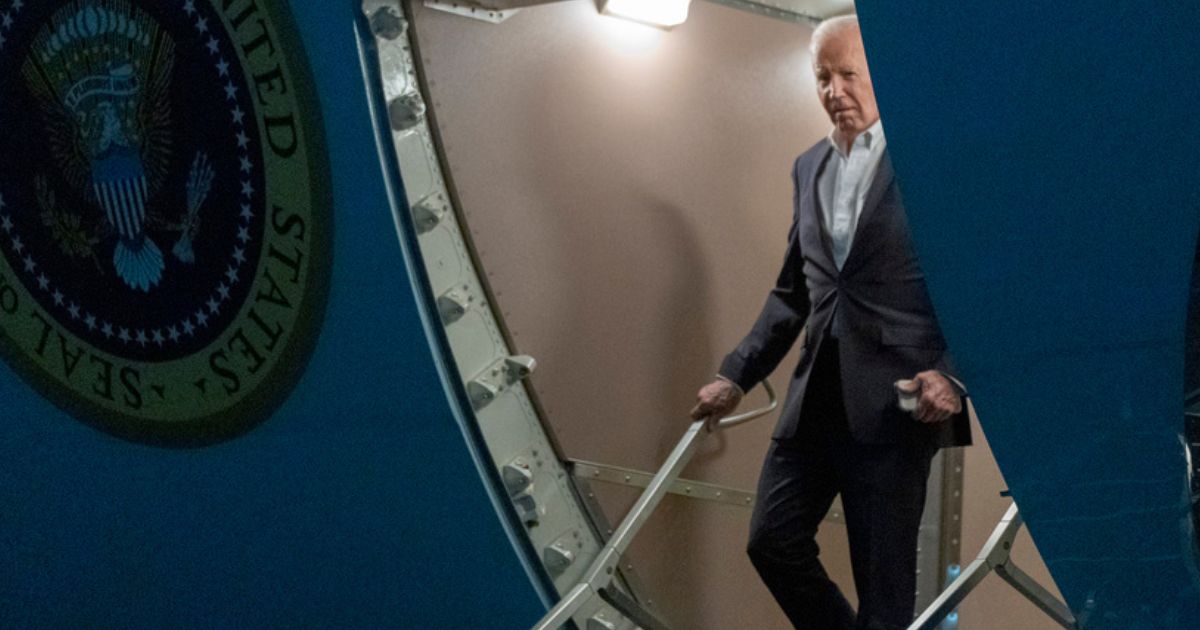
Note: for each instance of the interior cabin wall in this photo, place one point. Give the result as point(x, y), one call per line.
point(628, 191)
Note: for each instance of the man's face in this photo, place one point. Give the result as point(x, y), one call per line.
point(844, 84)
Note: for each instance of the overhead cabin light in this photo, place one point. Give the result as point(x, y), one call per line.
point(660, 13)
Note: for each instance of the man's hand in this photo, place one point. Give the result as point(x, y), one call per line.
point(939, 400)
point(715, 401)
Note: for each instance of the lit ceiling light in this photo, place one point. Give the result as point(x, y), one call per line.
point(660, 13)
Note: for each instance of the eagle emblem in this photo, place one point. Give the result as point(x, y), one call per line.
point(101, 74)
point(164, 212)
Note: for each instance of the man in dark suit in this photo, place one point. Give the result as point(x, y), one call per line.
point(852, 281)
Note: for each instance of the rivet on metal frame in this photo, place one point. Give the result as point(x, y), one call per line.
point(406, 111)
point(387, 24)
point(452, 305)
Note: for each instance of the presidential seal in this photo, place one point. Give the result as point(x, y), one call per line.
point(165, 222)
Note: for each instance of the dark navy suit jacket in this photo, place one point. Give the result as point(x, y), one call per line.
point(877, 306)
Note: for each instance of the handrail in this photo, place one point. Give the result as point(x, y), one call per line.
point(742, 418)
point(996, 556)
point(603, 568)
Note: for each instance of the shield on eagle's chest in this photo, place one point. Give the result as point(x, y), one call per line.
point(119, 182)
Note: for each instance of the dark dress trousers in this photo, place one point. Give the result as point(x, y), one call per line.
point(868, 325)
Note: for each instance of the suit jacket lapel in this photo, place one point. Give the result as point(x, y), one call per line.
point(819, 212)
point(883, 180)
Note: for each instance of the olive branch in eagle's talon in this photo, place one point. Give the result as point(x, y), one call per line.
point(66, 228)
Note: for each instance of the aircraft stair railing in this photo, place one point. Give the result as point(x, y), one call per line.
point(996, 557)
point(597, 580)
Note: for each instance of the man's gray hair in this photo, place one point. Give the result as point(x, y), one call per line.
point(830, 27)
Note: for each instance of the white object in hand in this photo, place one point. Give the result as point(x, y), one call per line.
point(907, 395)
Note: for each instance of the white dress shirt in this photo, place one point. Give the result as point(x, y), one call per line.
point(843, 186)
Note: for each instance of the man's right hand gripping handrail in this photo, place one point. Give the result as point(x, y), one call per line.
point(741, 418)
point(602, 570)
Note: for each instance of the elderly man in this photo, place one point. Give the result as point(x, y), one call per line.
point(851, 279)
